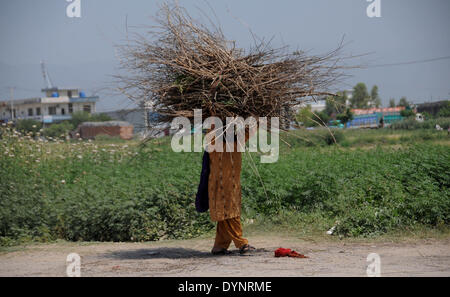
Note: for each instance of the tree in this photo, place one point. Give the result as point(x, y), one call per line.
point(374, 97)
point(345, 117)
point(407, 113)
point(312, 119)
point(360, 96)
point(392, 102)
point(82, 116)
point(403, 102)
point(335, 104)
point(445, 110)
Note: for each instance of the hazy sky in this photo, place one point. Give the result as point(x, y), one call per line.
point(80, 52)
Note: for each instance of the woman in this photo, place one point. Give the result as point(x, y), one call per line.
point(224, 191)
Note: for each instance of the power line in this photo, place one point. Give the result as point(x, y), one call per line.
point(410, 62)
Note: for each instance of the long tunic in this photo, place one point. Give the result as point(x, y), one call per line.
point(224, 185)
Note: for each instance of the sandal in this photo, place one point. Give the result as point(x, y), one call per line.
point(221, 252)
point(246, 249)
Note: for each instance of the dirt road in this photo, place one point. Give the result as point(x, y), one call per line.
point(192, 258)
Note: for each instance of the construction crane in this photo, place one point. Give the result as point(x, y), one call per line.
point(46, 76)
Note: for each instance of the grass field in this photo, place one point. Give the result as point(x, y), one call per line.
point(370, 183)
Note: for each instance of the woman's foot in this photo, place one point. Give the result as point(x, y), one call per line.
point(220, 251)
point(246, 248)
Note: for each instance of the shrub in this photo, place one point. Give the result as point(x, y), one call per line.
point(58, 130)
point(412, 124)
point(82, 116)
point(112, 191)
point(28, 125)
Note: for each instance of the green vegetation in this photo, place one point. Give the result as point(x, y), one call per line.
point(82, 116)
point(444, 111)
point(308, 118)
point(412, 124)
point(27, 125)
point(60, 130)
point(371, 182)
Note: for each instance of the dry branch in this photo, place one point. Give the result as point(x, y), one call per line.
point(180, 65)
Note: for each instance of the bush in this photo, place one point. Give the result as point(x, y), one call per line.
point(113, 192)
point(444, 111)
point(28, 125)
point(60, 130)
point(82, 116)
point(412, 124)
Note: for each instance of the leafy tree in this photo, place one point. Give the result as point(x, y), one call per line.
point(427, 115)
point(392, 102)
point(374, 97)
point(403, 102)
point(336, 104)
point(345, 117)
point(310, 118)
point(82, 116)
point(100, 117)
point(444, 111)
point(360, 96)
point(407, 113)
point(321, 117)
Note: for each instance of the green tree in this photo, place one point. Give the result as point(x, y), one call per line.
point(312, 119)
point(403, 102)
point(444, 111)
point(360, 96)
point(82, 116)
point(336, 104)
point(392, 102)
point(345, 117)
point(407, 113)
point(374, 97)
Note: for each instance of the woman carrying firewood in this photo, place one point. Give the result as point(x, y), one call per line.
point(220, 186)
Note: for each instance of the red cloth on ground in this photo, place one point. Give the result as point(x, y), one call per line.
point(281, 252)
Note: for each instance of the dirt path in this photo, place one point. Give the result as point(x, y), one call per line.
point(192, 258)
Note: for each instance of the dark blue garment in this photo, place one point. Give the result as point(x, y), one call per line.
point(202, 198)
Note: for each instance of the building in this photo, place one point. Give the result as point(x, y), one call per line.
point(317, 105)
point(57, 105)
point(432, 107)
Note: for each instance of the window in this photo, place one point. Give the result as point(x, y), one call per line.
point(63, 111)
point(30, 112)
point(70, 108)
point(52, 110)
point(38, 111)
point(69, 94)
point(87, 108)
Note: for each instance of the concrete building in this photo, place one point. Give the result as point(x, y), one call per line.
point(58, 105)
point(316, 106)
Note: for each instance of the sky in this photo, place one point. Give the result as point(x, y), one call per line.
point(81, 52)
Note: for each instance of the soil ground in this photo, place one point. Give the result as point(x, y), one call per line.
point(415, 257)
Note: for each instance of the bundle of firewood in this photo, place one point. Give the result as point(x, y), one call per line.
point(180, 65)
